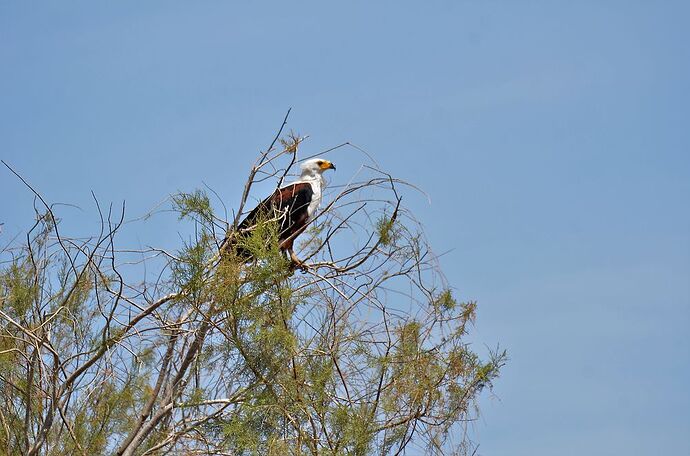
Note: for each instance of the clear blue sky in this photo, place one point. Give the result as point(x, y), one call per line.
point(553, 138)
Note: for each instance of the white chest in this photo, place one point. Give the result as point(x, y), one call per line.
point(316, 187)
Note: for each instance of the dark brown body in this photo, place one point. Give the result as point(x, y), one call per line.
point(289, 206)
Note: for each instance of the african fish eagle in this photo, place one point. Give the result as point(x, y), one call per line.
point(293, 206)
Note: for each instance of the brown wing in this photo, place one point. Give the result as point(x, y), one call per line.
point(294, 201)
point(289, 205)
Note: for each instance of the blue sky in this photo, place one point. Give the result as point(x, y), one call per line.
point(552, 138)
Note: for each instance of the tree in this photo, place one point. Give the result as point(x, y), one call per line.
point(362, 353)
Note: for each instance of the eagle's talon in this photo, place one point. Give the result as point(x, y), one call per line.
point(294, 265)
point(296, 261)
point(301, 265)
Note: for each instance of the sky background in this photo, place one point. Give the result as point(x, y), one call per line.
point(552, 138)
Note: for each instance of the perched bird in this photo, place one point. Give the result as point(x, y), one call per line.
point(291, 206)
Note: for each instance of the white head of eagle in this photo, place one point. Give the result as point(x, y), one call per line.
point(293, 206)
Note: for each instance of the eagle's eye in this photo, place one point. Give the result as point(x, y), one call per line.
point(320, 162)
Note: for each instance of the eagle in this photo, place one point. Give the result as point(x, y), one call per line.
point(292, 206)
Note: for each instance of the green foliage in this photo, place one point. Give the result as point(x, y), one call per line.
point(193, 204)
point(190, 272)
point(353, 428)
point(261, 242)
point(445, 301)
point(387, 230)
point(246, 357)
point(19, 289)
